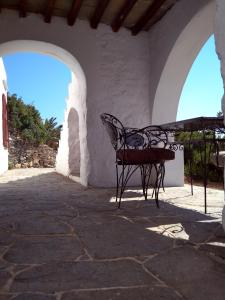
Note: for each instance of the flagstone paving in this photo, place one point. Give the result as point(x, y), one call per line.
point(62, 241)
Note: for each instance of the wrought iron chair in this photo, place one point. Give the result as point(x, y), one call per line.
point(143, 149)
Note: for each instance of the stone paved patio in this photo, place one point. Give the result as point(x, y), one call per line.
point(61, 241)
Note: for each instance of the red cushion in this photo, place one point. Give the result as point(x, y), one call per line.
point(145, 156)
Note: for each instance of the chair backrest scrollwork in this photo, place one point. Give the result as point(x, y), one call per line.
point(115, 130)
point(133, 138)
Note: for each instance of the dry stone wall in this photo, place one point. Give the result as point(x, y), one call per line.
point(26, 156)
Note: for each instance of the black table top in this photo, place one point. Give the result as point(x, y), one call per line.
point(196, 124)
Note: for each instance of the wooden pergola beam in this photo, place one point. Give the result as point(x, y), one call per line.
point(73, 13)
point(22, 8)
point(148, 15)
point(99, 11)
point(49, 11)
point(122, 14)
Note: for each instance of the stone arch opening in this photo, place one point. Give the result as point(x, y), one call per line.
point(203, 89)
point(179, 62)
point(76, 100)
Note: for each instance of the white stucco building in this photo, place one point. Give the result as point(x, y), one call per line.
point(138, 78)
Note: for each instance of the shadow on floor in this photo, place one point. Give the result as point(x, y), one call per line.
point(59, 240)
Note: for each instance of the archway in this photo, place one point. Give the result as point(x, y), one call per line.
point(77, 100)
point(179, 62)
point(203, 89)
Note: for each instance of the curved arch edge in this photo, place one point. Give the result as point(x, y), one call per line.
point(79, 82)
point(179, 62)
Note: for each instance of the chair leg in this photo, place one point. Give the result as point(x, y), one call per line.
point(145, 178)
point(146, 171)
point(159, 182)
point(162, 176)
point(120, 185)
point(117, 183)
point(122, 180)
point(156, 186)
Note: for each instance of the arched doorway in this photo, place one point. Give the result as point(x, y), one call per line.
point(179, 62)
point(77, 101)
point(203, 89)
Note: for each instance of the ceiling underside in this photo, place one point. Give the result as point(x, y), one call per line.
point(136, 15)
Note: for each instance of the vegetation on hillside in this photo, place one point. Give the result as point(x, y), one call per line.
point(195, 154)
point(25, 123)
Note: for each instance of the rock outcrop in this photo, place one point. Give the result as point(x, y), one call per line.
point(27, 156)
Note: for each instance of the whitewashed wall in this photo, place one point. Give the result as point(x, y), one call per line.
point(68, 157)
point(3, 90)
point(220, 47)
point(182, 55)
point(175, 42)
point(122, 73)
point(116, 67)
point(140, 79)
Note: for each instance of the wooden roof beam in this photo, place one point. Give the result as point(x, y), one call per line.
point(99, 11)
point(147, 16)
point(122, 14)
point(75, 8)
point(22, 8)
point(49, 11)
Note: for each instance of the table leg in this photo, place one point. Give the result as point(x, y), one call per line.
point(205, 171)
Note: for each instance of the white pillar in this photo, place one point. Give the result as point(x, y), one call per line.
point(220, 48)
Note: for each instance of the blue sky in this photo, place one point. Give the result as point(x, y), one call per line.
point(40, 80)
point(203, 89)
point(43, 81)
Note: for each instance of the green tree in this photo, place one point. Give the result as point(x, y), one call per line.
point(25, 122)
point(52, 132)
point(194, 152)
